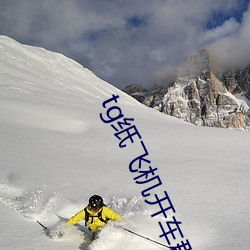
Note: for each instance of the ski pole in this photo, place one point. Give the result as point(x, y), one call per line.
point(146, 238)
point(45, 228)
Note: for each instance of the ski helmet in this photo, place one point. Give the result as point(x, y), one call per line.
point(95, 202)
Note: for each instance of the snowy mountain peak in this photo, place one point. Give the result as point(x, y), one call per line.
point(200, 96)
point(197, 64)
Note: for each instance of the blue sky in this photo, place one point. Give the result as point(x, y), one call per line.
point(136, 41)
point(218, 17)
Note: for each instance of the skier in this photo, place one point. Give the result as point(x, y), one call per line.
point(95, 214)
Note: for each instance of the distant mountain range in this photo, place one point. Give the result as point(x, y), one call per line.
point(202, 94)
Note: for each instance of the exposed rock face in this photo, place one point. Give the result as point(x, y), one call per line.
point(198, 96)
point(136, 90)
point(237, 81)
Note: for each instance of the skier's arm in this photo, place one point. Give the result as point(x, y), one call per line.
point(110, 214)
point(77, 217)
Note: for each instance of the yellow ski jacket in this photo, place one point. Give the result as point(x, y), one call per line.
point(94, 223)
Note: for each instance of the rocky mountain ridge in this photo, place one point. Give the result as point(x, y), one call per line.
point(200, 95)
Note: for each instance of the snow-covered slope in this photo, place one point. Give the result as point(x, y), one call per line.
point(56, 152)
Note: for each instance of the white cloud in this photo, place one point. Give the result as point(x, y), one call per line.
point(228, 28)
point(97, 32)
point(233, 50)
